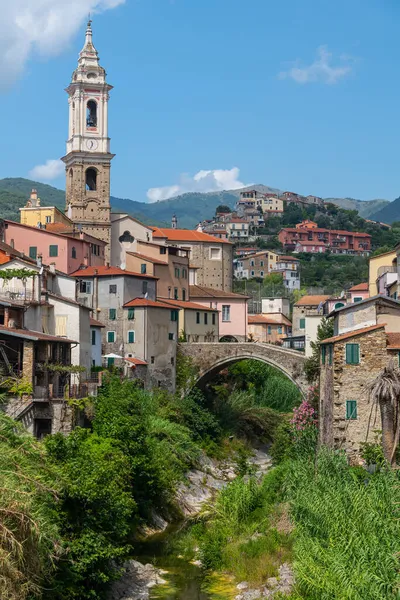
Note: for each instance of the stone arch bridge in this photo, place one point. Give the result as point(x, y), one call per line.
point(211, 357)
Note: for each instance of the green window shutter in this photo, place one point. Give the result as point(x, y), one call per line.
point(110, 362)
point(323, 354)
point(112, 314)
point(53, 250)
point(302, 323)
point(131, 337)
point(351, 409)
point(110, 337)
point(93, 337)
point(170, 336)
point(33, 252)
point(174, 315)
point(197, 317)
point(269, 329)
point(131, 314)
point(352, 354)
point(143, 268)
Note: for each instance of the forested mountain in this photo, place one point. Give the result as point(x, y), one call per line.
point(389, 213)
point(190, 208)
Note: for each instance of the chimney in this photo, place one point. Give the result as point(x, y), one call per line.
point(174, 222)
point(39, 260)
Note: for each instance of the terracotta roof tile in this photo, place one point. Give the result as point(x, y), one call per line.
point(104, 271)
point(360, 287)
point(135, 361)
point(350, 334)
point(187, 304)
point(155, 261)
point(33, 335)
point(146, 303)
point(311, 300)
point(270, 319)
point(199, 291)
point(186, 235)
point(95, 323)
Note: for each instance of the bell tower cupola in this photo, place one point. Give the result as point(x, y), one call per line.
point(88, 157)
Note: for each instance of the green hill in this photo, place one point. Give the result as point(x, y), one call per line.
point(190, 208)
point(389, 214)
point(365, 208)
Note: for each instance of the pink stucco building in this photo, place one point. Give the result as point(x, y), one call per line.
point(232, 309)
point(67, 251)
point(359, 292)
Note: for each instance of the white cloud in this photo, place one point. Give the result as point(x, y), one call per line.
point(40, 26)
point(204, 181)
point(320, 70)
point(50, 170)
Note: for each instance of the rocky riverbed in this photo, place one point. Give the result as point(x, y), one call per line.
point(199, 488)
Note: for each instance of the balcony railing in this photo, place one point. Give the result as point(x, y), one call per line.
point(17, 295)
point(386, 269)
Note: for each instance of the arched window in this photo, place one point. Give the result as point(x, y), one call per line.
point(338, 305)
point(91, 114)
point(91, 180)
point(73, 252)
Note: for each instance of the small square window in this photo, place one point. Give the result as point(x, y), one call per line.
point(131, 314)
point(172, 360)
point(110, 337)
point(33, 252)
point(112, 314)
point(351, 410)
point(131, 337)
point(174, 315)
point(53, 250)
point(112, 289)
point(171, 336)
point(215, 253)
point(152, 360)
point(163, 250)
point(302, 323)
point(143, 268)
point(48, 219)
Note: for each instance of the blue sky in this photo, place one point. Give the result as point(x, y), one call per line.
point(297, 94)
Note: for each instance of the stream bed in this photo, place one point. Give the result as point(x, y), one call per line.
point(184, 580)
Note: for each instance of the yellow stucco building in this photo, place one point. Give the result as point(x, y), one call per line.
point(39, 216)
point(376, 267)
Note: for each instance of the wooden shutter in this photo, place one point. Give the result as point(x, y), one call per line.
point(323, 354)
point(61, 326)
point(351, 409)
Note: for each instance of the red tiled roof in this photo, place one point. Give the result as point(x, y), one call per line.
point(287, 259)
point(186, 235)
point(322, 230)
point(104, 271)
point(360, 287)
point(187, 304)
point(59, 227)
point(350, 334)
point(199, 291)
point(146, 302)
point(34, 335)
point(270, 319)
point(311, 300)
point(135, 361)
point(393, 340)
point(95, 323)
point(311, 242)
point(155, 261)
point(70, 234)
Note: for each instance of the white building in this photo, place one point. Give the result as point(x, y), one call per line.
point(275, 305)
point(289, 267)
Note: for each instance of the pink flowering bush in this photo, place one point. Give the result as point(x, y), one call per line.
point(304, 428)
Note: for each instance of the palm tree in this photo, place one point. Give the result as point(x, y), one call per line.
point(384, 392)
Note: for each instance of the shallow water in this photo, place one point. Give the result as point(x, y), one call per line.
point(185, 581)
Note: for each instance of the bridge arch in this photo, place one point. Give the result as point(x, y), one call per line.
point(210, 358)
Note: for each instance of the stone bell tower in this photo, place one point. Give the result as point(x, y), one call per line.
point(88, 157)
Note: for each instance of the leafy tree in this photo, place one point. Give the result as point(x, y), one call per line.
point(385, 393)
point(382, 250)
point(96, 512)
point(311, 366)
point(273, 285)
point(223, 208)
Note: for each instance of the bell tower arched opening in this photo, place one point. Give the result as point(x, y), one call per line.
point(91, 180)
point(91, 114)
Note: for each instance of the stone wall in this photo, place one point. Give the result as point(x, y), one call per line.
point(210, 358)
point(341, 382)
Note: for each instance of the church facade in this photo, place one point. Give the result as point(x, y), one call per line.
point(88, 157)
